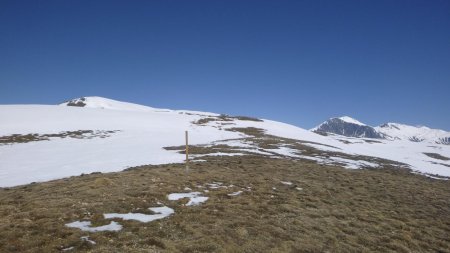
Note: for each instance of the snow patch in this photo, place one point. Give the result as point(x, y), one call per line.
point(160, 213)
point(86, 239)
point(235, 193)
point(285, 151)
point(216, 185)
point(195, 198)
point(87, 226)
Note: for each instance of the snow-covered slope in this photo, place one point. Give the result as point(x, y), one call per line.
point(120, 139)
point(105, 103)
point(351, 120)
point(45, 142)
point(412, 133)
point(347, 126)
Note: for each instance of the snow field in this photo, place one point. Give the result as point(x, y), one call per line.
point(87, 226)
point(160, 213)
point(143, 132)
point(194, 198)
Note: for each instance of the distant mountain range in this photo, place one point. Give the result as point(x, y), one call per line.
point(347, 126)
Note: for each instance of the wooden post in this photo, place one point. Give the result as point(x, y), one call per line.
point(187, 151)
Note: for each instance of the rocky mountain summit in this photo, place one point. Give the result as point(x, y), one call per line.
point(349, 127)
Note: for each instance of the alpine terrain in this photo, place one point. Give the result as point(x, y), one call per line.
point(89, 134)
point(98, 175)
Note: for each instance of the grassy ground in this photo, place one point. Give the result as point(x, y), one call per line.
point(327, 208)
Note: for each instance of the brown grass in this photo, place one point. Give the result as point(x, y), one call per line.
point(224, 118)
point(78, 134)
point(336, 210)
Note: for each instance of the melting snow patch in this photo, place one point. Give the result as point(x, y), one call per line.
point(254, 151)
point(235, 193)
point(216, 185)
point(285, 151)
point(353, 164)
point(219, 154)
point(286, 182)
point(160, 213)
point(235, 143)
point(86, 239)
point(430, 176)
point(194, 198)
point(67, 249)
point(346, 163)
point(86, 226)
point(299, 188)
point(433, 177)
point(317, 159)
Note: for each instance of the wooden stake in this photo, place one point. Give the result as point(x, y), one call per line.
point(187, 151)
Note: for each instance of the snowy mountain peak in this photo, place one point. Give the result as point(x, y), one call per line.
point(347, 126)
point(351, 120)
point(350, 127)
point(105, 103)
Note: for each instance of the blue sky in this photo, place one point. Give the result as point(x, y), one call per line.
point(299, 62)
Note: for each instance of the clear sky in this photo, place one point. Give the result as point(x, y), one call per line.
point(299, 62)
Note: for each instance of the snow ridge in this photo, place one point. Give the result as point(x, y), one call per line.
point(105, 103)
point(351, 120)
